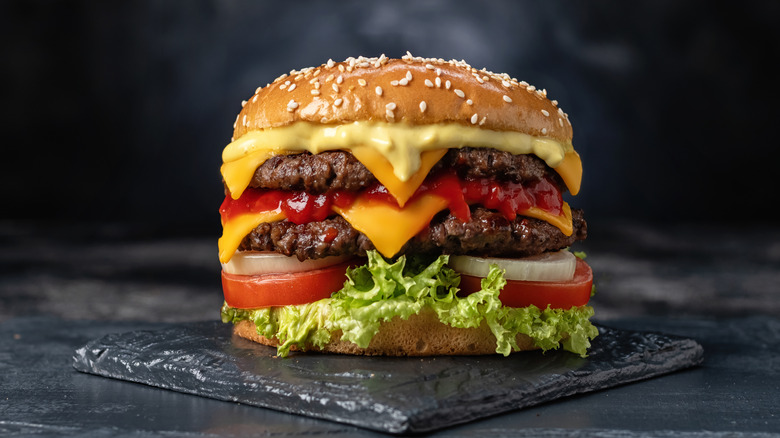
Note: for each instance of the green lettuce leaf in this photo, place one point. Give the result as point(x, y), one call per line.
point(382, 290)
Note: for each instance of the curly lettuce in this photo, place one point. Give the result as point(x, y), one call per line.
point(382, 290)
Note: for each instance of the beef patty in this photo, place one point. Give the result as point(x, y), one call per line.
point(487, 233)
point(338, 170)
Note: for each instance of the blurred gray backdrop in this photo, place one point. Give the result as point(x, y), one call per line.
point(118, 111)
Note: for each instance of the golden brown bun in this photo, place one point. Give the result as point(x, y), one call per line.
point(421, 335)
point(379, 89)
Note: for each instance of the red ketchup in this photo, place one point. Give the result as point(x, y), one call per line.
point(506, 197)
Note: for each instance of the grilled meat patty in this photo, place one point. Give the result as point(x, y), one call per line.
point(337, 170)
point(487, 233)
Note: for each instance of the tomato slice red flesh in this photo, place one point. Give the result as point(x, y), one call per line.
point(283, 289)
point(556, 294)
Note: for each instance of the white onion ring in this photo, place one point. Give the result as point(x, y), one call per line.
point(550, 266)
point(258, 263)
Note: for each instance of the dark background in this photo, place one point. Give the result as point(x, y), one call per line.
point(118, 111)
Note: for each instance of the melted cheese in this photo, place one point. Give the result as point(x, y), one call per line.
point(562, 222)
point(235, 229)
point(383, 171)
point(390, 227)
point(401, 145)
point(570, 171)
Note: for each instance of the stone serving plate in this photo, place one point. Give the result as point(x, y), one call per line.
point(395, 395)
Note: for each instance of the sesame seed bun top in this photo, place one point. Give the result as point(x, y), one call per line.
point(411, 90)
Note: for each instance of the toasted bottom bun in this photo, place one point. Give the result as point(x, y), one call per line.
point(421, 335)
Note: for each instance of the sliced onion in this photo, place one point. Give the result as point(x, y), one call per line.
point(257, 263)
point(551, 266)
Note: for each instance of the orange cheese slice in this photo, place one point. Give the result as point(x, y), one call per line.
point(238, 174)
point(234, 230)
point(562, 222)
point(389, 227)
point(570, 170)
point(382, 169)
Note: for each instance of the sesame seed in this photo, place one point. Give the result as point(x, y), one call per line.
point(423, 106)
point(428, 83)
point(389, 114)
point(390, 106)
point(460, 93)
point(482, 122)
point(340, 79)
point(447, 85)
point(243, 103)
point(317, 85)
point(506, 83)
point(258, 90)
point(254, 99)
point(544, 131)
point(438, 82)
point(469, 102)
point(331, 63)
point(394, 83)
point(408, 76)
point(429, 66)
point(560, 122)
point(531, 88)
point(546, 113)
point(291, 105)
point(337, 102)
point(378, 91)
point(335, 87)
point(362, 82)
point(292, 87)
point(474, 119)
point(243, 121)
point(438, 72)
point(403, 82)
point(507, 99)
point(315, 92)
point(283, 86)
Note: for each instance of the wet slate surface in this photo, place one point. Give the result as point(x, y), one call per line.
point(396, 395)
point(734, 392)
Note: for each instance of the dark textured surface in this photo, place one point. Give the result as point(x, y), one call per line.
point(396, 395)
point(735, 392)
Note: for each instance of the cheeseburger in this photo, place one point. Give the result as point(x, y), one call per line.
point(403, 207)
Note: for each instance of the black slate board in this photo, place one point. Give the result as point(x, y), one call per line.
point(396, 395)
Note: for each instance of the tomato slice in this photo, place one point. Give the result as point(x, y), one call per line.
point(283, 289)
point(556, 294)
